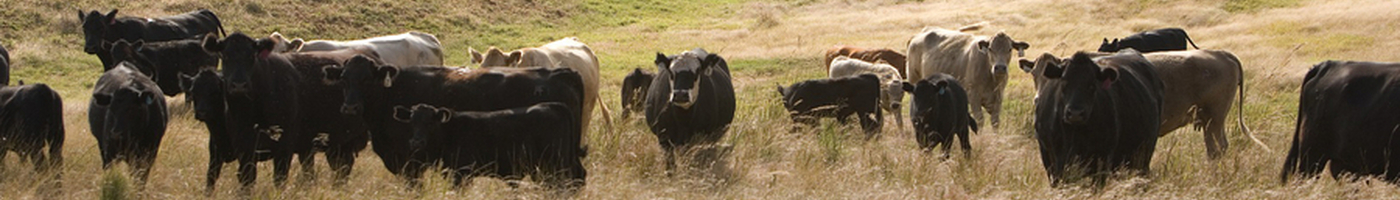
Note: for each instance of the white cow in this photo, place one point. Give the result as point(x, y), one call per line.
point(407, 49)
point(567, 52)
point(891, 84)
point(978, 62)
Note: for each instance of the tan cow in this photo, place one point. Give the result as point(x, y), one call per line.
point(890, 56)
point(406, 49)
point(891, 83)
point(1200, 86)
point(567, 52)
point(978, 62)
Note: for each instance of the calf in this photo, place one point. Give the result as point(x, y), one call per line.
point(372, 89)
point(894, 58)
point(103, 29)
point(1346, 122)
point(939, 113)
point(1097, 115)
point(978, 62)
point(691, 101)
point(890, 81)
point(405, 49)
point(840, 97)
point(634, 91)
point(31, 118)
point(128, 118)
point(167, 60)
point(262, 89)
point(1167, 39)
point(541, 141)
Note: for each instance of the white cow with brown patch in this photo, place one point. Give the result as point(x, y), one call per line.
point(406, 49)
point(567, 52)
point(978, 62)
point(891, 84)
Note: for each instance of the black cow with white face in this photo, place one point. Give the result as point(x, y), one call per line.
point(1098, 115)
point(541, 141)
point(1167, 39)
point(101, 30)
point(634, 91)
point(691, 101)
point(128, 118)
point(939, 113)
point(1346, 122)
point(839, 98)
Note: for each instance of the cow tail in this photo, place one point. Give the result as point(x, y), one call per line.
point(1193, 43)
point(217, 23)
point(1239, 107)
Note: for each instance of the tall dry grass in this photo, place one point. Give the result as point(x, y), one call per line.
point(767, 43)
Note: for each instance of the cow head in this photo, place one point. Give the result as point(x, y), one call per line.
point(127, 53)
point(1037, 68)
point(240, 55)
point(686, 71)
point(1109, 46)
point(1083, 82)
point(890, 88)
point(357, 75)
point(494, 57)
point(282, 45)
point(206, 90)
point(998, 50)
point(95, 26)
point(426, 121)
point(126, 109)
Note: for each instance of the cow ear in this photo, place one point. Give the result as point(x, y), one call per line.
point(445, 114)
point(1105, 41)
point(331, 74)
point(212, 43)
point(111, 17)
point(102, 99)
point(295, 45)
point(1107, 76)
point(709, 63)
point(389, 73)
point(1027, 65)
point(186, 82)
point(264, 47)
point(514, 57)
point(82, 16)
point(476, 56)
point(662, 62)
point(1053, 71)
point(983, 45)
point(403, 114)
point(781, 91)
point(908, 87)
point(1020, 48)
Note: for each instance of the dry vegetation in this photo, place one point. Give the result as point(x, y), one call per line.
point(768, 42)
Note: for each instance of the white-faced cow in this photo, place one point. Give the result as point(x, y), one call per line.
point(891, 81)
point(978, 62)
point(691, 101)
point(101, 30)
point(939, 113)
point(568, 52)
point(1094, 116)
point(1200, 87)
point(1166, 39)
point(128, 117)
point(840, 97)
point(405, 49)
point(1346, 122)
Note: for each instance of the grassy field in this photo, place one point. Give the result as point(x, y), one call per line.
point(768, 42)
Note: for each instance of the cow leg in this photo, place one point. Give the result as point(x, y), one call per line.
point(307, 159)
point(281, 165)
point(216, 166)
point(993, 105)
point(141, 167)
point(670, 151)
point(976, 101)
point(341, 162)
point(870, 122)
point(1214, 119)
point(966, 144)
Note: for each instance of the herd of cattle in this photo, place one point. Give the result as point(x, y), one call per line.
point(524, 113)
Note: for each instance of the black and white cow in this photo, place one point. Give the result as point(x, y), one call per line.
point(691, 101)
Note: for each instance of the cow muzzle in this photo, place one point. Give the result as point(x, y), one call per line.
point(999, 69)
point(682, 99)
point(237, 87)
point(416, 144)
point(351, 109)
point(1076, 116)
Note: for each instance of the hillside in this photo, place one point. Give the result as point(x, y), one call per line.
point(767, 42)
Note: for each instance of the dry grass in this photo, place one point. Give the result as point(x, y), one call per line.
point(768, 43)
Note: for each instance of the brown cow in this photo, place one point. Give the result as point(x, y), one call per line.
point(1200, 86)
point(890, 56)
point(978, 62)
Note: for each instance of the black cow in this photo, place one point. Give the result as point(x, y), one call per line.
point(103, 29)
point(128, 117)
point(167, 60)
point(262, 90)
point(371, 90)
point(1097, 115)
point(691, 101)
point(1167, 39)
point(31, 118)
point(634, 91)
point(340, 135)
point(939, 113)
point(206, 91)
point(839, 97)
point(4, 66)
point(1346, 121)
point(541, 141)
